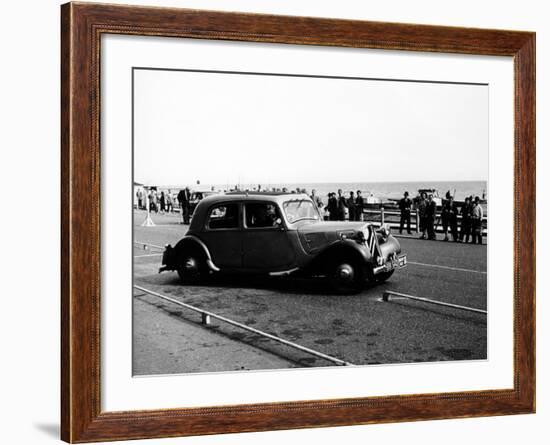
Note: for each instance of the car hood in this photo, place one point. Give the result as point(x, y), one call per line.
point(314, 236)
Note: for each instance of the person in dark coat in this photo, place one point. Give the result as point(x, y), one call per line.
point(454, 220)
point(342, 205)
point(332, 207)
point(351, 206)
point(184, 198)
point(162, 201)
point(359, 206)
point(405, 205)
point(430, 217)
point(421, 207)
point(466, 223)
point(449, 213)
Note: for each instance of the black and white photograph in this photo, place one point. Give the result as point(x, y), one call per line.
point(276, 222)
point(297, 220)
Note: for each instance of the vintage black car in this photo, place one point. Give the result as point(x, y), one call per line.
point(281, 234)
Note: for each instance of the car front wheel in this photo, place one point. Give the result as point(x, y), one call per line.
point(192, 267)
point(346, 276)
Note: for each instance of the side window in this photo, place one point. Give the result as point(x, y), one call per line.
point(224, 216)
point(261, 214)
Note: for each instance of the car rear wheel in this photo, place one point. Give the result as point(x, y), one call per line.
point(192, 267)
point(346, 276)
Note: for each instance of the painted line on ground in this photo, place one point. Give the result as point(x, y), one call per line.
point(459, 269)
point(206, 315)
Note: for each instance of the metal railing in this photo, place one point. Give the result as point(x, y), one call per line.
point(386, 296)
point(391, 217)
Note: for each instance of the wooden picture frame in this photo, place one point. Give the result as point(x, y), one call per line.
point(82, 26)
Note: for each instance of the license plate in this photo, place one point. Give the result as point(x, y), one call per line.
point(396, 262)
point(401, 261)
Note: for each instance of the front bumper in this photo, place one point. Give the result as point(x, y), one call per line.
point(394, 261)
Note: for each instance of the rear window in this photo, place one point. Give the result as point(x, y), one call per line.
point(224, 216)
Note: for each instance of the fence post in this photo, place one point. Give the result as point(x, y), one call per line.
point(417, 222)
point(382, 215)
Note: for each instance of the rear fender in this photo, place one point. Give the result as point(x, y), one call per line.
point(171, 255)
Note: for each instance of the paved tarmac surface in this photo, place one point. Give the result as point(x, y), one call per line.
point(360, 329)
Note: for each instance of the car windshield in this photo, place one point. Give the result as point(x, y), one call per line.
point(300, 209)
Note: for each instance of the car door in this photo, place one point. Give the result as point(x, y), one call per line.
point(223, 234)
point(266, 244)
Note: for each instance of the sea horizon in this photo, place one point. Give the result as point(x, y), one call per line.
point(380, 189)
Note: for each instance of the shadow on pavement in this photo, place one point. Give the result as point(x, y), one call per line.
point(290, 285)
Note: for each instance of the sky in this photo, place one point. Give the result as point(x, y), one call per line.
point(220, 128)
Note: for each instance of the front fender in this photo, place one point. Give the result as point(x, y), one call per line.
point(347, 248)
point(388, 247)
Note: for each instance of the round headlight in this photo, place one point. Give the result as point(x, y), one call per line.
point(385, 230)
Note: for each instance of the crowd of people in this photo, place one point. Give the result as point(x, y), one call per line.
point(164, 201)
point(471, 212)
point(338, 204)
point(340, 207)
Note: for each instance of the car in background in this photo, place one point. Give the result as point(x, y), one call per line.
point(197, 196)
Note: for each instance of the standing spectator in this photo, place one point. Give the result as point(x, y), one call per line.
point(405, 205)
point(162, 203)
point(316, 199)
point(448, 217)
point(477, 218)
point(342, 205)
point(466, 224)
point(351, 206)
point(421, 209)
point(156, 199)
point(169, 202)
point(152, 201)
point(332, 207)
point(359, 206)
point(430, 217)
point(454, 220)
point(139, 195)
point(184, 196)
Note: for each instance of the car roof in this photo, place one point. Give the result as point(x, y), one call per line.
point(255, 196)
